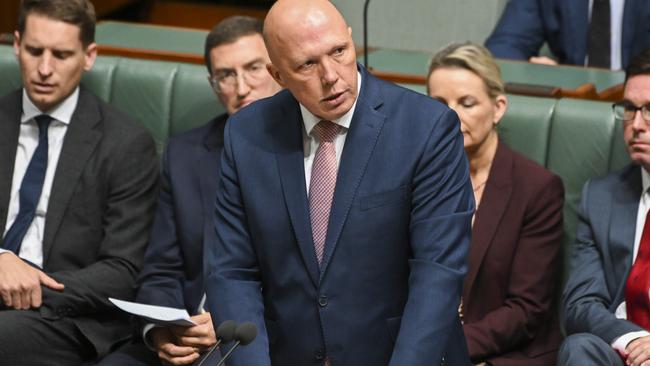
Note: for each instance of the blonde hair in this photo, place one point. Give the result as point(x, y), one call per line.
point(472, 57)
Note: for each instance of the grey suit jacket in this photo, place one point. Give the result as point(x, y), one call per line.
point(602, 255)
point(99, 214)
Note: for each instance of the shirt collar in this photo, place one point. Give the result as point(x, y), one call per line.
point(62, 112)
point(310, 120)
point(645, 181)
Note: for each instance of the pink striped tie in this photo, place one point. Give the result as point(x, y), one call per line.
point(323, 181)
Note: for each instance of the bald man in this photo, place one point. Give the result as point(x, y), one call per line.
point(344, 210)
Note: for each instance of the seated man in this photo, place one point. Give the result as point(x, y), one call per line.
point(236, 59)
point(607, 311)
point(599, 33)
point(78, 182)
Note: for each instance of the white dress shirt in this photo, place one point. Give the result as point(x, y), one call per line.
point(616, 22)
point(310, 144)
point(32, 245)
point(644, 204)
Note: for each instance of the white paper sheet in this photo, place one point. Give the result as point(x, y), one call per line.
point(159, 315)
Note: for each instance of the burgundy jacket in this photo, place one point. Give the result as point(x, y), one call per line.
point(512, 286)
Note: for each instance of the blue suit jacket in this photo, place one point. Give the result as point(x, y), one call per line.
point(389, 286)
point(564, 24)
point(602, 255)
point(172, 274)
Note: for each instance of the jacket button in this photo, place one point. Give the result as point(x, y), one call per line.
point(322, 301)
point(319, 355)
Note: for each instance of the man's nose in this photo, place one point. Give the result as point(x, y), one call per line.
point(329, 74)
point(45, 64)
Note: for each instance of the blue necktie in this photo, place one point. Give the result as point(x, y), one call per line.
point(30, 189)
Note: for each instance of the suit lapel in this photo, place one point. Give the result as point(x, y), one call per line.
point(80, 141)
point(290, 158)
point(493, 205)
point(360, 142)
point(621, 234)
point(10, 112)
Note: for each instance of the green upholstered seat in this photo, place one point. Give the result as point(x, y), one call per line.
point(526, 126)
point(150, 37)
point(166, 97)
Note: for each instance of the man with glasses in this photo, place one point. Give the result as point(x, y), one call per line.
point(236, 59)
point(606, 302)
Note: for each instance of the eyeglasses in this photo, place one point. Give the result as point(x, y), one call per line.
point(626, 111)
point(227, 80)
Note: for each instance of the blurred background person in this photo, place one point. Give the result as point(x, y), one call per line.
point(236, 59)
point(510, 291)
point(599, 33)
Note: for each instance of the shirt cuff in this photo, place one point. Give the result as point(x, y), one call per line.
point(145, 336)
point(621, 342)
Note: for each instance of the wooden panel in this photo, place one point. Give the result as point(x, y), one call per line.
point(104, 7)
point(9, 16)
point(196, 15)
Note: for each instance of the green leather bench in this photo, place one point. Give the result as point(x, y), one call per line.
point(575, 139)
point(166, 97)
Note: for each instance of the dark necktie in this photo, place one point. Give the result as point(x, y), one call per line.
point(599, 39)
point(637, 302)
point(30, 189)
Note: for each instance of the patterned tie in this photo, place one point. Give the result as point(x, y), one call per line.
point(637, 302)
point(30, 189)
point(323, 181)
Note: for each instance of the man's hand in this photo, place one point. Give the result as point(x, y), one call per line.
point(201, 336)
point(182, 345)
point(638, 352)
point(542, 60)
point(168, 351)
point(20, 283)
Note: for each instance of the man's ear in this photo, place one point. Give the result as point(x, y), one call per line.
point(90, 54)
point(16, 43)
point(275, 74)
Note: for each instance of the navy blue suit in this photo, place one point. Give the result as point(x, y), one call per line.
point(172, 275)
point(388, 289)
point(564, 24)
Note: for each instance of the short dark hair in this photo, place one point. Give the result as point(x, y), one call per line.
point(640, 65)
point(76, 12)
point(228, 31)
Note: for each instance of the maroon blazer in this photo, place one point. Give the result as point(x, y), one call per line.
point(512, 286)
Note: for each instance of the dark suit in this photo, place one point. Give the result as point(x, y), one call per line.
point(527, 24)
point(98, 220)
point(389, 285)
point(173, 270)
point(602, 256)
point(512, 285)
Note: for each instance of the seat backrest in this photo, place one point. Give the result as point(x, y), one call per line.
point(166, 97)
point(575, 139)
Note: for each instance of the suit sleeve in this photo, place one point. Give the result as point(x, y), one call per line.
point(231, 269)
point(132, 180)
point(535, 274)
point(520, 32)
point(442, 207)
point(162, 277)
point(586, 299)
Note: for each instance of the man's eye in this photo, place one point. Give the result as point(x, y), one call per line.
point(34, 51)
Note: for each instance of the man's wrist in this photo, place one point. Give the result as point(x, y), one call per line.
point(620, 344)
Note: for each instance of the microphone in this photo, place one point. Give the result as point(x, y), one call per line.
point(244, 334)
point(365, 34)
point(225, 334)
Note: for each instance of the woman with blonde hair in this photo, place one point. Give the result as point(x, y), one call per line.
point(510, 293)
